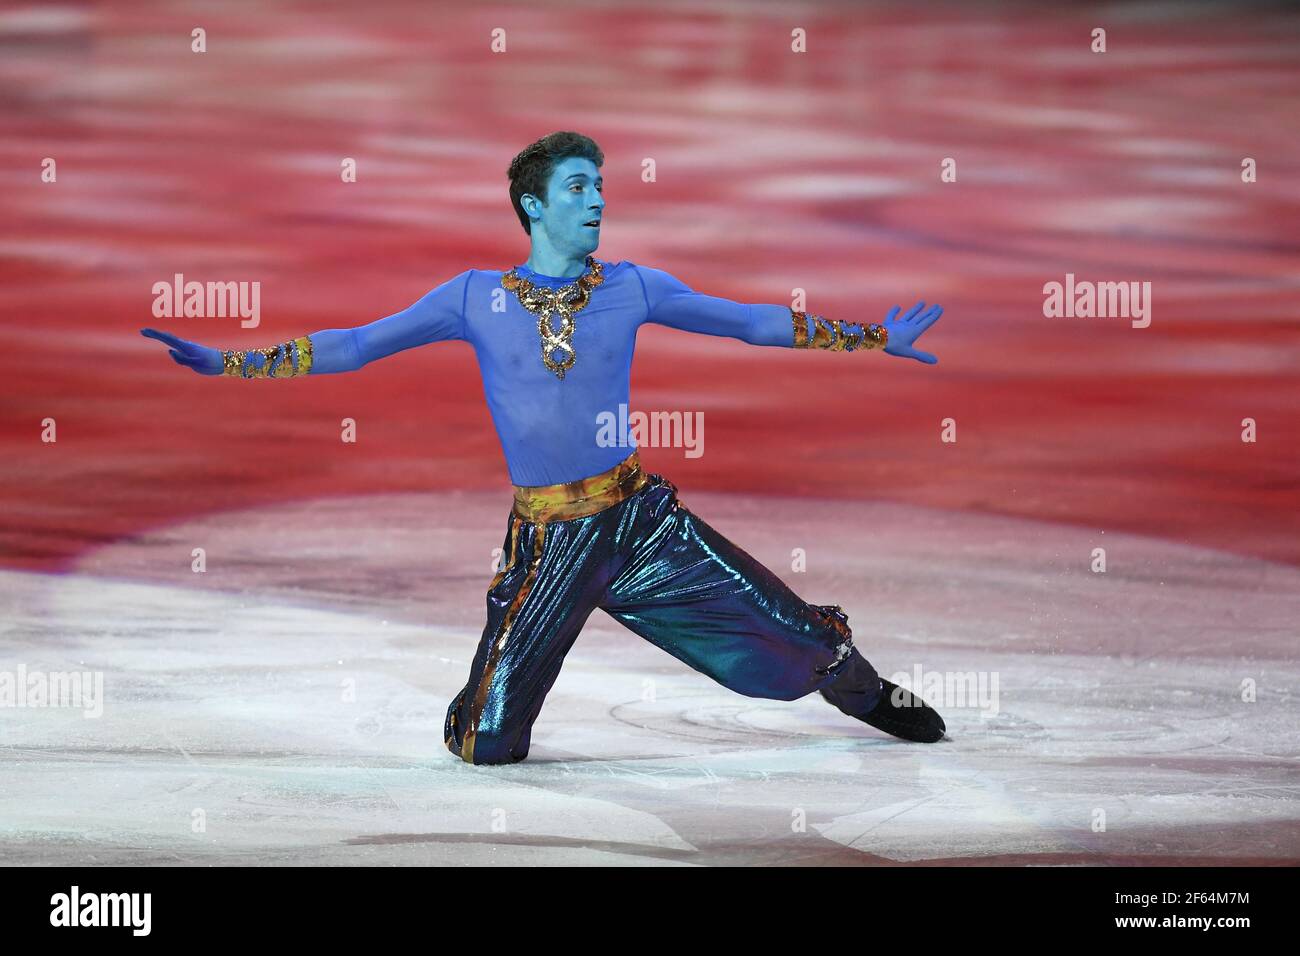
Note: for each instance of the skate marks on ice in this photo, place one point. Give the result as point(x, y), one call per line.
point(291, 698)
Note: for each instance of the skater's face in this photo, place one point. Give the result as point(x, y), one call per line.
point(571, 217)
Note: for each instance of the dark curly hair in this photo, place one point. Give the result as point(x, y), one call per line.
point(530, 170)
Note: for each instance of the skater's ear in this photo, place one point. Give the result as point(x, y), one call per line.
point(532, 206)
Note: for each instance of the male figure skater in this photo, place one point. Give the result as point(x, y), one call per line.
point(589, 529)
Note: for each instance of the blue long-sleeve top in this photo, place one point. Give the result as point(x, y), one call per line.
point(552, 429)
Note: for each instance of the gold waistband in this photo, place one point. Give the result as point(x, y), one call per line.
point(586, 496)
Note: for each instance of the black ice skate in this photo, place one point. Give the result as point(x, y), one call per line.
point(905, 715)
point(896, 710)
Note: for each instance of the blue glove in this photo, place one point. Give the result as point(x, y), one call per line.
point(904, 331)
point(202, 359)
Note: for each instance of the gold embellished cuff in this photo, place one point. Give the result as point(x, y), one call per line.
point(277, 361)
point(815, 332)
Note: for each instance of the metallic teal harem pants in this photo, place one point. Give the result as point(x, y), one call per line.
point(661, 571)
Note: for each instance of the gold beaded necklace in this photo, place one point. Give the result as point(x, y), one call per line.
point(546, 303)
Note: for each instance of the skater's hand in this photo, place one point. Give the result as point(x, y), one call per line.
point(202, 359)
point(905, 330)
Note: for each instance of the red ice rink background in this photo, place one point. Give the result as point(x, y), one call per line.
point(775, 171)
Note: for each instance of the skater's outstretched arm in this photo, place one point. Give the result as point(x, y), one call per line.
point(671, 302)
point(437, 316)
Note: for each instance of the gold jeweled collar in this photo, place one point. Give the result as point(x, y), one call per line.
point(545, 303)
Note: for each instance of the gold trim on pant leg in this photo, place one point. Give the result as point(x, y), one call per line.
point(512, 548)
point(510, 559)
point(455, 706)
point(498, 645)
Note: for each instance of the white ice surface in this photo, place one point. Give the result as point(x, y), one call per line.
point(292, 697)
